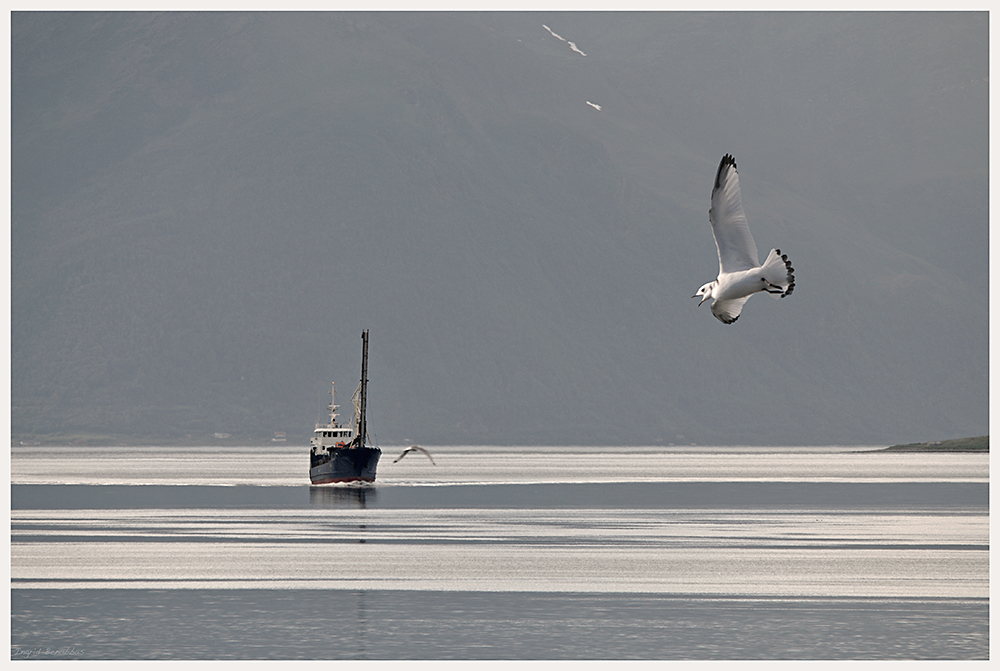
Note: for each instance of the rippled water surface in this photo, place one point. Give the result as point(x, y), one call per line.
point(501, 553)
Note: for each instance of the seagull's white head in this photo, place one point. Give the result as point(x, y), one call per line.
point(706, 291)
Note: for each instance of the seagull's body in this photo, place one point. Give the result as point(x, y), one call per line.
point(414, 448)
point(740, 274)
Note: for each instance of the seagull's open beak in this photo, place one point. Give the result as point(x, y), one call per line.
point(702, 300)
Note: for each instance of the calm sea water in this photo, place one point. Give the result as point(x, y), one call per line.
point(500, 553)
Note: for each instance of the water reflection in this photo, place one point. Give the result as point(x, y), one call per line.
point(362, 621)
point(342, 497)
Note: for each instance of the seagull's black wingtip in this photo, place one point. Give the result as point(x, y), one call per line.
point(726, 160)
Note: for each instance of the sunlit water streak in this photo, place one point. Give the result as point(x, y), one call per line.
point(706, 552)
point(288, 465)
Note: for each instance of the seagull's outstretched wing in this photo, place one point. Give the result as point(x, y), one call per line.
point(414, 448)
point(728, 311)
point(737, 250)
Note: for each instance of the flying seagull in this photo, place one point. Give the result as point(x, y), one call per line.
point(740, 275)
point(414, 448)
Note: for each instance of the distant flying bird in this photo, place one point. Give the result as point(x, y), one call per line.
point(740, 274)
point(414, 448)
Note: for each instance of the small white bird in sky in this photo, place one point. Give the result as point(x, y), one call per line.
point(740, 274)
point(414, 448)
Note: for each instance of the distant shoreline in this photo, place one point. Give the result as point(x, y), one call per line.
point(977, 444)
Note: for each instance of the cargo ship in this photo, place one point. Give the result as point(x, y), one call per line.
point(341, 453)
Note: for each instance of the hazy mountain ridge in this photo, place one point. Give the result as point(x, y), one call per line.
point(212, 207)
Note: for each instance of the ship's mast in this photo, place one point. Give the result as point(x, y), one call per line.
point(333, 405)
point(362, 424)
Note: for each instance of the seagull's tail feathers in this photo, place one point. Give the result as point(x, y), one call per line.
point(777, 271)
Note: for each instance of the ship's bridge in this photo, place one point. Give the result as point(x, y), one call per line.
point(327, 432)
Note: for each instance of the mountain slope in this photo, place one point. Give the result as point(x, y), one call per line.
point(207, 209)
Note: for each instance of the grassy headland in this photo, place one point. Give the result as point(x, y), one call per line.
point(977, 444)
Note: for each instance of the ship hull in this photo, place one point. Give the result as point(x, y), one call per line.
point(346, 465)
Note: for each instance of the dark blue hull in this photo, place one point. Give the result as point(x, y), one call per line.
point(345, 464)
